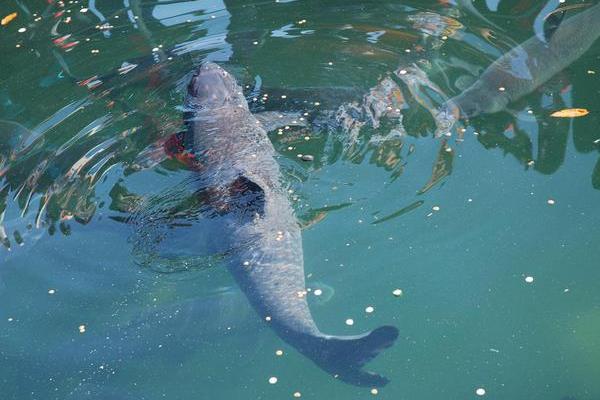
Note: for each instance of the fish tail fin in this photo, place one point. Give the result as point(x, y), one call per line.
point(344, 356)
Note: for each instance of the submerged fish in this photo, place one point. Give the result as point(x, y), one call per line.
point(527, 66)
point(237, 173)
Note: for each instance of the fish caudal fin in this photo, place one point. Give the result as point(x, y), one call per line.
point(344, 356)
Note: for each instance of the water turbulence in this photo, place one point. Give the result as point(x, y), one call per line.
point(254, 136)
point(175, 230)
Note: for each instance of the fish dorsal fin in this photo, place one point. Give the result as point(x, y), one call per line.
point(178, 146)
point(271, 120)
point(552, 22)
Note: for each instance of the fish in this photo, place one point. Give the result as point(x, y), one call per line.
point(526, 67)
point(235, 167)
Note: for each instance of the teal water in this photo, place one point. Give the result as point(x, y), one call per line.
point(86, 314)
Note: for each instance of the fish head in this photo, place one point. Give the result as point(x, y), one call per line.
point(212, 87)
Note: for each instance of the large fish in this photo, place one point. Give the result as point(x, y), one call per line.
point(527, 66)
point(240, 179)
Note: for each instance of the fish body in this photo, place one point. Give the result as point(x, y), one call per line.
point(529, 65)
point(237, 164)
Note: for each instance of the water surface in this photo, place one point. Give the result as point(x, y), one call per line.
point(89, 89)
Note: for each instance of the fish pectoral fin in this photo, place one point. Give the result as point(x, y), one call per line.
point(177, 147)
point(271, 120)
point(174, 147)
point(246, 195)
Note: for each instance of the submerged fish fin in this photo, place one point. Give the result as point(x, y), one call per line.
point(246, 196)
point(552, 23)
point(271, 120)
point(177, 147)
point(553, 20)
point(344, 356)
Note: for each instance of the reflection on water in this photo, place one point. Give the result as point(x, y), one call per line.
point(91, 91)
point(132, 98)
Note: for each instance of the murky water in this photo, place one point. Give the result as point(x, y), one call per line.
point(491, 234)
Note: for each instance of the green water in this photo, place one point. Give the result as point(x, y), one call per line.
point(82, 318)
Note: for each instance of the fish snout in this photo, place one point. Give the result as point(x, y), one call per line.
point(210, 85)
point(201, 78)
